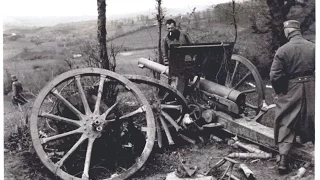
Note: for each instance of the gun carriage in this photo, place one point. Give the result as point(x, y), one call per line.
point(95, 124)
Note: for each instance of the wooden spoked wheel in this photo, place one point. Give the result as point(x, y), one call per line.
point(243, 76)
point(167, 103)
point(92, 124)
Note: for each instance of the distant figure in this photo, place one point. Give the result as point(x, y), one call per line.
point(17, 98)
point(292, 77)
point(174, 36)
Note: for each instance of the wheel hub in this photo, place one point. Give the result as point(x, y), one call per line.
point(93, 126)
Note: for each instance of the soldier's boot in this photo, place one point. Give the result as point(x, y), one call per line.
point(283, 166)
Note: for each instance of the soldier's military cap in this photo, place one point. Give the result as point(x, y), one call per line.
point(291, 24)
point(14, 77)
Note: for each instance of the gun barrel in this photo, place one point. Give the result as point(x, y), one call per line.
point(143, 62)
point(223, 91)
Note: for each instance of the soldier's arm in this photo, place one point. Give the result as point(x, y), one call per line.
point(277, 73)
point(165, 48)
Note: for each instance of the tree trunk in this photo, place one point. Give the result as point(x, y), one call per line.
point(278, 10)
point(160, 18)
point(234, 20)
point(277, 18)
point(102, 34)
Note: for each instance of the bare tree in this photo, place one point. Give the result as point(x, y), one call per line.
point(160, 17)
point(278, 11)
point(102, 34)
point(234, 19)
point(230, 11)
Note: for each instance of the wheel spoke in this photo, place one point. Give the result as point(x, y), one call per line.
point(83, 96)
point(59, 118)
point(242, 80)
point(171, 102)
point(249, 91)
point(105, 114)
point(165, 96)
point(139, 110)
point(234, 72)
point(74, 147)
point(56, 93)
point(101, 83)
point(45, 140)
point(165, 106)
point(85, 174)
point(252, 106)
point(172, 121)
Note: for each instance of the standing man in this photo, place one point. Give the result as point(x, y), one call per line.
point(17, 98)
point(174, 36)
point(292, 77)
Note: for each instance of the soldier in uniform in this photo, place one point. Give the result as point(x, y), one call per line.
point(17, 98)
point(174, 36)
point(292, 77)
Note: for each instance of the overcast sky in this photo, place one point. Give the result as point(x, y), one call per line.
point(89, 7)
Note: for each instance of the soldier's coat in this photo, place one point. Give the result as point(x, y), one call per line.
point(166, 42)
point(295, 107)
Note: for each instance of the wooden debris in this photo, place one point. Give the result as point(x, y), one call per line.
point(159, 134)
point(301, 172)
point(187, 139)
point(250, 155)
point(166, 130)
point(215, 138)
point(249, 174)
point(232, 176)
point(248, 147)
point(173, 176)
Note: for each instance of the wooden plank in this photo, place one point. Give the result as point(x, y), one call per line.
point(259, 134)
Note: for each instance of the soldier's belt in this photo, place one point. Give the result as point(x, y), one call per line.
point(302, 79)
point(301, 74)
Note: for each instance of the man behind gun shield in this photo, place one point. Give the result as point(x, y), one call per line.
point(174, 36)
point(292, 77)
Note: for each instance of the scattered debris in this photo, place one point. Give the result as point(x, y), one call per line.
point(249, 174)
point(249, 147)
point(253, 149)
point(229, 168)
point(209, 115)
point(250, 155)
point(187, 139)
point(215, 138)
point(187, 171)
point(301, 172)
point(232, 176)
point(186, 119)
point(254, 161)
point(173, 176)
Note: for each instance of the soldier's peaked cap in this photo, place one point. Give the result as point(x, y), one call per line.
point(291, 24)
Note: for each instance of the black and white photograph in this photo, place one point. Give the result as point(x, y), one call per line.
point(158, 90)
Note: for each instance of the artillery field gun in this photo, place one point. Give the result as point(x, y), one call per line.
point(95, 124)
